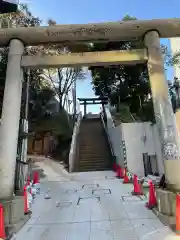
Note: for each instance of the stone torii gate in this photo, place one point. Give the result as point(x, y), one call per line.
point(92, 101)
point(147, 31)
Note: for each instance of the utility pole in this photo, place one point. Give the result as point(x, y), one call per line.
point(8, 6)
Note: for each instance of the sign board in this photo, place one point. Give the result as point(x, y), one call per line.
point(8, 6)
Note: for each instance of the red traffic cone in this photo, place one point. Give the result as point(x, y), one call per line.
point(36, 178)
point(26, 210)
point(115, 167)
point(137, 187)
point(121, 172)
point(2, 227)
point(117, 171)
point(126, 179)
point(152, 202)
point(178, 214)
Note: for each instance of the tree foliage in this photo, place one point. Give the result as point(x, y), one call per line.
point(47, 87)
point(22, 18)
point(172, 60)
point(40, 91)
point(124, 84)
point(62, 80)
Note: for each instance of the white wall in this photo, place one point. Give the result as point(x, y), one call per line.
point(134, 135)
point(116, 140)
point(115, 135)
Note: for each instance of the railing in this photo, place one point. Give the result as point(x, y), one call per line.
point(103, 117)
point(114, 134)
point(110, 121)
point(74, 145)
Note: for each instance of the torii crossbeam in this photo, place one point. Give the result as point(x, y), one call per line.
point(110, 31)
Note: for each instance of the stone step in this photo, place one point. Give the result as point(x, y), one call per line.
point(93, 166)
point(93, 146)
point(89, 161)
point(92, 156)
point(93, 169)
point(92, 152)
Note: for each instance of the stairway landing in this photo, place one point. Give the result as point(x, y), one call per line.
point(94, 206)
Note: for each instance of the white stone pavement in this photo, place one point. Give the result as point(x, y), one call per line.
point(94, 206)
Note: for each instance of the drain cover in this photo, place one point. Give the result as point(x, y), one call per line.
point(88, 200)
point(63, 204)
point(90, 186)
point(131, 198)
point(71, 191)
point(106, 177)
point(100, 191)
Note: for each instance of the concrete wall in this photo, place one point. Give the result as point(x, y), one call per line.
point(157, 146)
point(116, 140)
point(141, 138)
point(115, 136)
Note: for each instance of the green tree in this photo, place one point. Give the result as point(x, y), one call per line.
point(124, 84)
point(63, 79)
point(22, 18)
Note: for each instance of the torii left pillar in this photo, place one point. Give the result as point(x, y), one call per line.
point(9, 129)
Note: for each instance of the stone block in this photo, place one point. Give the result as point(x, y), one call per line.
point(17, 210)
point(7, 208)
point(13, 210)
point(166, 220)
point(13, 229)
point(166, 202)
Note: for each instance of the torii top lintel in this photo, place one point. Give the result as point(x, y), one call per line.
point(111, 31)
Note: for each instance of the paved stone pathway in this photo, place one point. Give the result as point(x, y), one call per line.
point(94, 206)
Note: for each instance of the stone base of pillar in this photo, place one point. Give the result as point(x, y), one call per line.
point(165, 219)
point(14, 228)
point(14, 214)
point(172, 168)
point(166, 208)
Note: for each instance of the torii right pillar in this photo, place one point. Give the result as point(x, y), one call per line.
point(164, 115)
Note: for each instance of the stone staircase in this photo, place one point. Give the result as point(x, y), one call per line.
point(94, 150)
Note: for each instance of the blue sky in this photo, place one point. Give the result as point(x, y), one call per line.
point(84, 11)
